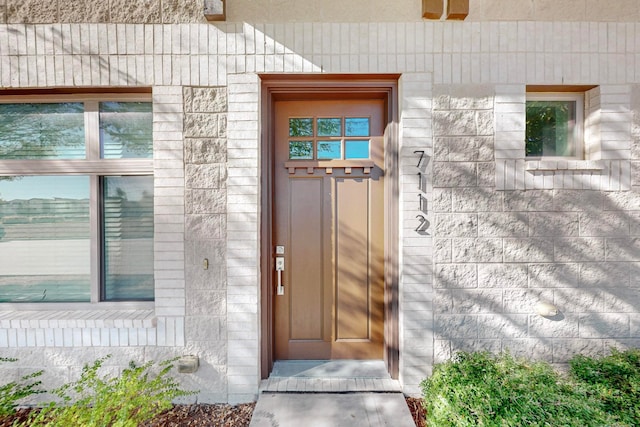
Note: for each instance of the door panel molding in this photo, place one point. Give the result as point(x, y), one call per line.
point(280, 87)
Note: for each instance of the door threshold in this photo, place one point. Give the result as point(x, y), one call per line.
point(330, 376)
point(330, 369)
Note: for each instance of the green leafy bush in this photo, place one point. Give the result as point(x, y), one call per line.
point(123, 401)
point(13, 392)
point(487, 390)
point(614, 380)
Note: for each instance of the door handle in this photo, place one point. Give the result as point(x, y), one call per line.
point(279, 270)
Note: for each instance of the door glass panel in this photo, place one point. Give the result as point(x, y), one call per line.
point(356, 126)
point(44, 239)
point(125, 130)
point(329, 127)
point(42, 131)
point(301, 127)
point(329, 150)
point(300, 150)
point(356, 149)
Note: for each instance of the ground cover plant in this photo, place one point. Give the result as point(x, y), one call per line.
point(136, 395)
point(12, 393)
point(481, 389)
point(613, 380)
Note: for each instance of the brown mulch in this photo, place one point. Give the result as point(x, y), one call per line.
point(20, 416)
point(213, 415)
point(417, 411)
point(205, 415)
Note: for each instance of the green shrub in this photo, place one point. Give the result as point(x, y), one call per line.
point(123, 401)
point(14, 391)
point(487, 390)
point(614, 380)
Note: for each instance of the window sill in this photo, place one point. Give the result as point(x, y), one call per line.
point(70, 319)
point(564, 165)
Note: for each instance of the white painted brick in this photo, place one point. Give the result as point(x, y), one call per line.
point(58, 337)
point(12, 338)
point(141, 336)
point(151, 337)
point(40, 337)
point(67, 337)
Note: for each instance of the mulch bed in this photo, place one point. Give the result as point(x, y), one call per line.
point(213, 415)
point(204, 415)
point(417, 411)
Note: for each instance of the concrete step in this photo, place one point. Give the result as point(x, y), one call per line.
point(329, 385)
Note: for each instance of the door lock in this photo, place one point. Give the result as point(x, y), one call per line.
point(279, 270)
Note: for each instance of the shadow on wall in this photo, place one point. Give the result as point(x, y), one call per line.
point(499, 254)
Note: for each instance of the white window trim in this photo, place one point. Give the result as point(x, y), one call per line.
point(94, 167)
point(578, 131)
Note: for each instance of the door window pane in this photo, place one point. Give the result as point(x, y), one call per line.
point(300, 127)
point(299, 150)
point(329, 150)
point(42, 131)
point(44, 239)
point(125, 130)
point(329, 127)
point(356, 149)
point(356, 126)
point(128, 237)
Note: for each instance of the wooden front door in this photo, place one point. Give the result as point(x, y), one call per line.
point(329, 229)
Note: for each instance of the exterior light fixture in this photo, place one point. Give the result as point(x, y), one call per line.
point(546, 309)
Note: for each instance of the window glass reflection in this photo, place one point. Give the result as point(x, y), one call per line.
point(299, 150)
point(301, 127)
point(329, 127)
point(328, 150)
point(42, 131)
point(356, 126)
point(125, 130)
point(44, 239)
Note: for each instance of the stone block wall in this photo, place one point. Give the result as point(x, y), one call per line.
point(205, 158)
point(106, 11)
point(498, 254)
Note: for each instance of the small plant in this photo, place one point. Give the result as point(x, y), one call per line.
point(614, 380)
point(487, 390)
point(12, 393)
point(123, 401)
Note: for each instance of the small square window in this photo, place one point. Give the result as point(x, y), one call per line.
point(554, 125)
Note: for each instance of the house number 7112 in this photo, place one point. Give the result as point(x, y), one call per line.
point(424, 224)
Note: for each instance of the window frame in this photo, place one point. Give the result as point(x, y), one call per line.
point(93, 166)
point(578, 131)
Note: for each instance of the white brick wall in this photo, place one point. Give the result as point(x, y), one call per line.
point(416, 278)
point(243, 249)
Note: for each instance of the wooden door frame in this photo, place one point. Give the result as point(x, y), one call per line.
point(278, 87)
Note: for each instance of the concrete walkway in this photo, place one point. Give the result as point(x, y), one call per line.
point(330, 394)
point(331, 410)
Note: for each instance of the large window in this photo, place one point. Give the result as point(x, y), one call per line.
point(554, 125)
point(76, 199)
